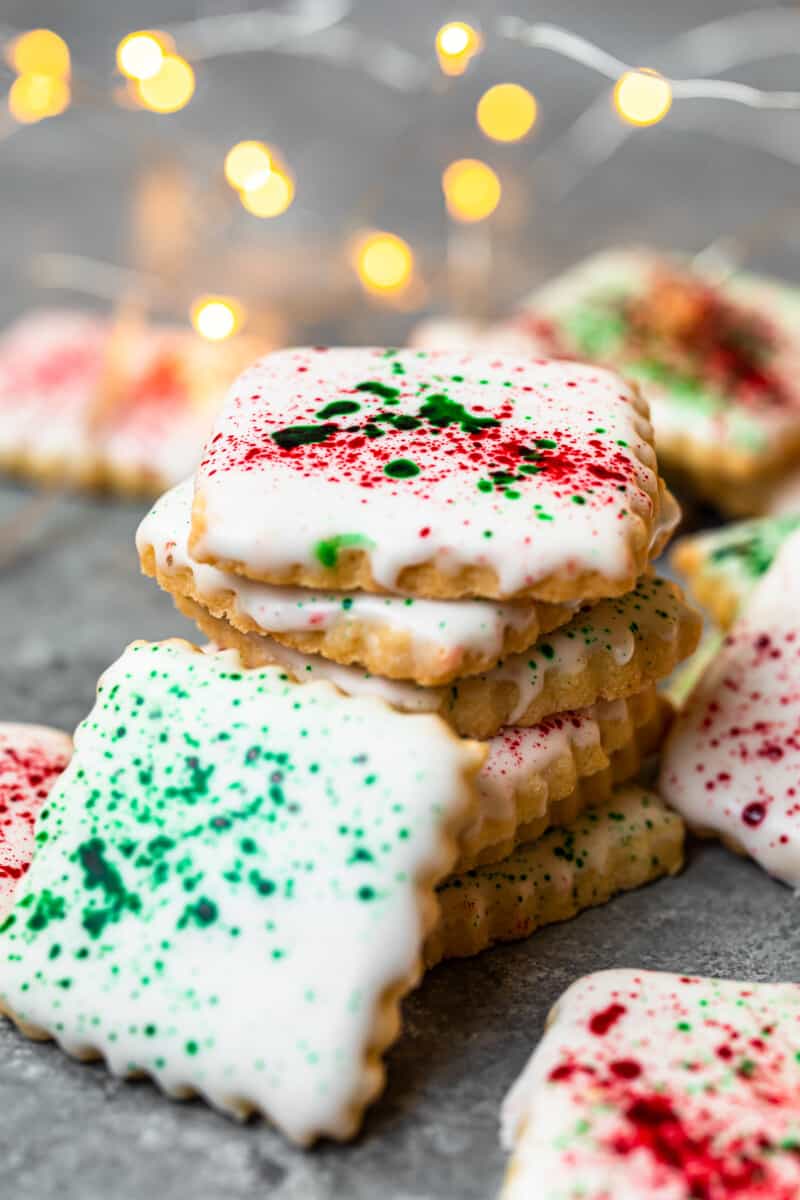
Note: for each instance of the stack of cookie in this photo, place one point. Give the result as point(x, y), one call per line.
point(460, 535)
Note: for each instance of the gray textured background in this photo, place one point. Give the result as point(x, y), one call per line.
point(74, 598)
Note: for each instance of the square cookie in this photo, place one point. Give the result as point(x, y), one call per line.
point(660, 1086)
point(718, 363)
point(232, 884)
point(439, 475)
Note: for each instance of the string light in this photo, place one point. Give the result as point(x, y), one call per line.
point(506, 112)
point(40, 52)
point(34, 97)
point(642, 97)
point(273, 197)
point(471, 189)
point(248, 166)
point(170, 89)
point(216, 317)
point(457, 43)
point(140, 55)
point(384, 262)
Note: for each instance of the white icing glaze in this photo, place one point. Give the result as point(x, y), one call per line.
point(450, 628)
point(732, 762)
point(234, 862)
point(337, 489)
point(31, 759)
point(657, 1085)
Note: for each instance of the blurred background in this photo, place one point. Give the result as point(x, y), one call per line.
point(362, 118)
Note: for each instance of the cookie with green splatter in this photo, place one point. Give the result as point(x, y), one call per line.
point(718, 362)
point(435, 475)
point(630, 840)
point(724, 566)
point(232, 882)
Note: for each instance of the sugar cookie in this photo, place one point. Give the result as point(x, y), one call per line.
point(399, 637)
point(648, 1084)
point(440, 475)
point(232, 884)
point(627, 842)
point(732, 762)
point(31, 759)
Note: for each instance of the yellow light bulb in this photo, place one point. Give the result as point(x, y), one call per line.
point(642, 97)
point(40, 52)
point(384, 262)
point(456, 44)
point(34, 97)
point(273, 197)
point(471, 189)
point(506, 112)
point(140, 55)
point(248, 166)
point(170, 89)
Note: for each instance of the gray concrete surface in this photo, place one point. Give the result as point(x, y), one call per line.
point(72, 600)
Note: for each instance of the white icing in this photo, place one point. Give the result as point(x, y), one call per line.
point(681, 1039)
point(269, 515)
point(732, 762)
point(446, 628)
point(272, 999)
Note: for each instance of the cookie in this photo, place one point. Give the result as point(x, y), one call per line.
point(400, 637)
point(627, 842)
point(648, 1084)
point(550, 773)
point(732, 761)
point(437, 475)
point(117, 403)
point(232, 884)
point(723, 566)
point(718, 363)
point(31, 759)
point(611, 650)
point(51, 366)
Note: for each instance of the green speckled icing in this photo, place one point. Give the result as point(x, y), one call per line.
point(738, 555)
point(227, 879)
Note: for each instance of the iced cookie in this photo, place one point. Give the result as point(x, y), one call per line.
point(31, 759)
point(550, 773)
point(718, 363)
point(627, 842)
point(439, 475)
point(51, 366)
point(232, 885)
point(611, 650)
point(731, 765)
point(670, 1087)
point(724, 565)
point(399, 637)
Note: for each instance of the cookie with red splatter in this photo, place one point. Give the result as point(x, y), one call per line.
point(608, 651)
point(719, 363)
point(439, 475)
point(31, 759)
point(732, 762)
point(671, 1087)
point(625, 843)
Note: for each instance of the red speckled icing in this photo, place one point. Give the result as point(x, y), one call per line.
point(732, 763)
point(527, 466)
point(31, 759)
point(660, 1086)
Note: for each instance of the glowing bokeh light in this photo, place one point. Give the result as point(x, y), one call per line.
point(506, 112)
point(642, 97)
point(216, 317)
point(31, 98)
point(471, 189)
point(384, 262)
point(140, 55)
point(273, 197)
point(40, 52)
point(457, 43)
point(171, 88)
point(248, 166)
